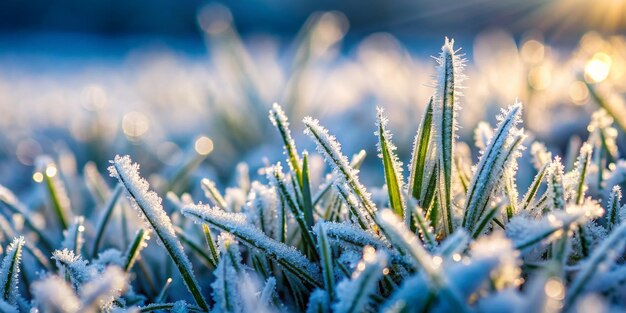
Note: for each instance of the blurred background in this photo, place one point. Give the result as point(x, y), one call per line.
point(181, 84)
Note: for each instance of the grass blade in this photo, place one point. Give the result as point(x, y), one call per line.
point(279, 120)
point(534, 188)
point(10, 201)
point(421, 144)
point(276, 178)
point(133, 251)
point(392, 167)
point(288, 257)
point(445, 105)
point(326, 259)
point(149, 203)
point(328, 146)
point(307, 202)
point(615, 242)
point(582, 169)
point(104, 220)
point(211, 192)
point(353, 294)
point(10, 269)
point(502, 148)
point(59, 199)
point(613, 207)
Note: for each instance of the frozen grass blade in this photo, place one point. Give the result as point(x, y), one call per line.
point(615, 242)
point(445, 106)
point(73, 238)
point(277, 179)
point(582, 169)
point(613, 207)
point(351, 237)
point(404, 240)
point(211, 192)
point(502, 148)
point(328, 146)
point(59, 199)
point(527, 233)
point(153, 307)
point(149, 203)
point(72, 267)
point(9, 271)
point(226, 292)
point(8, 231)
point(353, 294)
point(555, 191)
point(288, 257)
point(279, 120)
point(354, 207)
point(423, 226)
point(326, 260)
point(392, 167)
point(104, 220)
point(534, 188)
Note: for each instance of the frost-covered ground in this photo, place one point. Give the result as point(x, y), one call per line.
point(499, 191)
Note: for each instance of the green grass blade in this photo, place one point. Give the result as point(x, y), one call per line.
point(501, 150)
point(422, 225)
point(417, 173)
point(279, 120)
point(534, 188)
point(613, 207)
point(163, 293)
point(599, 256)
point(276, 177)
point(392, 167)
point(133, 251)
point(307, 202)
point(104, 220)
point(328, 146)
point(196, 248)
point(211, 243)
point(149, 203)
point(9, 270)
point(59, 200)
point(211, 192)
point(326, 260)
point(444, 115)
point(288, 257)
point(582, 168)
